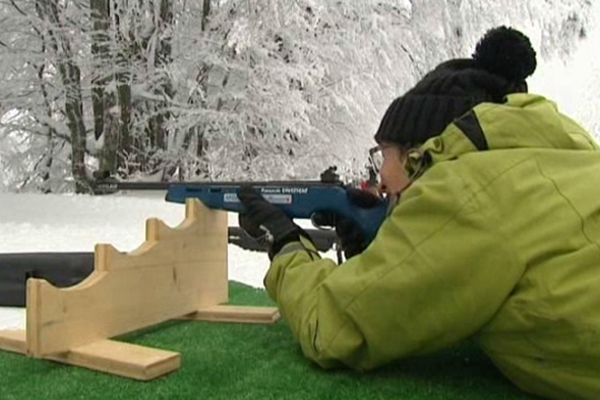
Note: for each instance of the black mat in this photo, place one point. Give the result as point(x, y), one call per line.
point(60, 269)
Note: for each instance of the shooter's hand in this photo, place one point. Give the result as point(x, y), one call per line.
point(352, 240)
point(265, 222)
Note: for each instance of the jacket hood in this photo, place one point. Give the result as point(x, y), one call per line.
point(523, 121)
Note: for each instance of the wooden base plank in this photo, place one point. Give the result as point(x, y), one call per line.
point(124, 359)
point(14, 341)
point(241, 314)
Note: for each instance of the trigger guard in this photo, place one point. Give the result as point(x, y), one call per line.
point(321, 227)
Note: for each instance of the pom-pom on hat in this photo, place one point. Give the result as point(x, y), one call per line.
point(503, 59)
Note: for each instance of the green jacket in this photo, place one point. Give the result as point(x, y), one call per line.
point(502, 245)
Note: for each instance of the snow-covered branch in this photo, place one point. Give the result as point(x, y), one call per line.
point(229, 89)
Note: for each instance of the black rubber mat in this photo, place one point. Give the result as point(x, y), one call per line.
point(60, 269)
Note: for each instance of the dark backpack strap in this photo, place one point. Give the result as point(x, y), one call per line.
point(469, 125)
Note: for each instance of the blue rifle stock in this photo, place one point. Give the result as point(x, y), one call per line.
point(297, 199)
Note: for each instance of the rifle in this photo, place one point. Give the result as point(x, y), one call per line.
point(323, 239)
point(297, 199)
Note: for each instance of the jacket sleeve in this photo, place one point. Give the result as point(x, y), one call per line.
point(436, 272)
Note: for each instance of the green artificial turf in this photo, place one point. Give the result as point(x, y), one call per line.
point(239, 361)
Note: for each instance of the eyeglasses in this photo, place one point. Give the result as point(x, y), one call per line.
point(376, 158)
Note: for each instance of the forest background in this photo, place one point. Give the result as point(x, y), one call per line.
point(168, 90)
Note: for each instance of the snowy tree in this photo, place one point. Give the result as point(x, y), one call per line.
point(228, 89)
point(288, 88)
point(92, 57)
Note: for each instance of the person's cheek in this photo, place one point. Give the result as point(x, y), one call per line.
point(385, 177)
point(382, 180)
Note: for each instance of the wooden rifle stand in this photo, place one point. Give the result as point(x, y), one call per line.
point(176, 273)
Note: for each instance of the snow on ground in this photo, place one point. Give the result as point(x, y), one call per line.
point(57, 223)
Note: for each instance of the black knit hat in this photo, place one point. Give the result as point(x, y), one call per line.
point(502, 60)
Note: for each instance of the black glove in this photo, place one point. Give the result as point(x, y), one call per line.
point(352, 240)
point(265, 222)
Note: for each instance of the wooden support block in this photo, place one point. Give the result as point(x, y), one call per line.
point(243, 314)
point(124, 359)
point(13, 341)
point(173, 273)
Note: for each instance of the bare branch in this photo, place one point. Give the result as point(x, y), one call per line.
point(18, 8)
